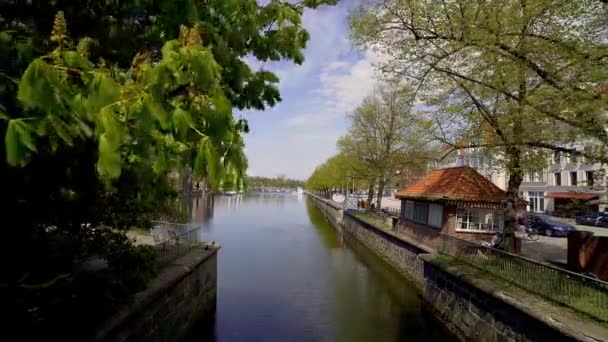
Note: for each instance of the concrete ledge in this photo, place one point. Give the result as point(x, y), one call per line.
point(159, 288)
point(567, 322)
point(325, 200)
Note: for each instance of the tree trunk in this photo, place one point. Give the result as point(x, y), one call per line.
point(370, 193)
point(515, 179)
point(381, 183)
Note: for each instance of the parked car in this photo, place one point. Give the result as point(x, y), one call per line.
point(602, 221)
point(592, 219)
point(547, 225)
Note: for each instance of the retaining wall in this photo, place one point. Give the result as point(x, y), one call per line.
point(182, 294)
point(474, 305)
point(400, 253)
point(331, 211)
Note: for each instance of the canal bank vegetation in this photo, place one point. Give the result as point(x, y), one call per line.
point(99, 102)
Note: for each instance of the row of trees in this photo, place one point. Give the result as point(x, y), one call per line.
point(99, 101)
point(281, 181)
point(382, 142)
point(514, 79)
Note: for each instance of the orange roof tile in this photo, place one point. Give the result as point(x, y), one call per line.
point(456, 183)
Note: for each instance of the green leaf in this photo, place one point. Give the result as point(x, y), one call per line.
point(157, 112)
point(221, 104)
point(18, 140)
point(36, 88)
point(181, 120)
point(62, 130)
point(109, 162)
point(110, 126)
point(103, 92)
point(75, 60)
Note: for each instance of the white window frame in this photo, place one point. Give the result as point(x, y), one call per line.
point(535, 197)
point(497, 218)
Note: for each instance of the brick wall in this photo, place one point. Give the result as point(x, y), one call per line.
point(182, 294)
point(430, 235)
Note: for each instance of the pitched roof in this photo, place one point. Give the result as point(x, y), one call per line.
point(455, 183)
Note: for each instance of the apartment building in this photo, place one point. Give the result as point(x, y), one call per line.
point(566, 183)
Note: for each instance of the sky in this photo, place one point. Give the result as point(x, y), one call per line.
point(300, 132)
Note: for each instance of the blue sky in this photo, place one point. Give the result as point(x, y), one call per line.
point(301, 132)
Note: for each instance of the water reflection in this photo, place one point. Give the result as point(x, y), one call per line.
point(327, 233)
point(284, 274)
point(202, 208)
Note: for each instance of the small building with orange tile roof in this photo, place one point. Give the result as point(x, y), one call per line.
point(456, 201)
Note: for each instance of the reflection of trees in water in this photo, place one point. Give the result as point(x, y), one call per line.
point(202, 208)
point(231, 202)
point(389, 298)
point(329, 237)
point(361, 279)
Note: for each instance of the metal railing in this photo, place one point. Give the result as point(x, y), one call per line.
point(172, 240)
point(577, 291)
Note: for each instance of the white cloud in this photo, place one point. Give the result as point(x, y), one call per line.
point(343, 87)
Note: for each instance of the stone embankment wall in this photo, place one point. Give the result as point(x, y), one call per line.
point(182, 294)
point(472, 304)
point(400, 253)
point(476, 306)
point(333, 212)
point(394, 249)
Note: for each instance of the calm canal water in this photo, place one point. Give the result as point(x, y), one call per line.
point(284, 274)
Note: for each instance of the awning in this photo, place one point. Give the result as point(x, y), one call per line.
point(573, 195)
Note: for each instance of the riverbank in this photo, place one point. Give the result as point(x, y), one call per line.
point(490, 309)
point(183, 293)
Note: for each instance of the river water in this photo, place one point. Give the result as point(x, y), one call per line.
point(284, 274)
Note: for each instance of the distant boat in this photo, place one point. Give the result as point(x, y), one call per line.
point(230, 193)
point(300, 190)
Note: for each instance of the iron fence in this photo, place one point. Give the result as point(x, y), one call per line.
point(174, 239)
point(577, 291)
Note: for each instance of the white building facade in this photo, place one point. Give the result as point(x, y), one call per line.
point(565, 179)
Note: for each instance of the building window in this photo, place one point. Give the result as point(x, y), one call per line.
point(557, 157)
point(590, 179)
point(436, 215)
point(479, 220)
point(573, 180)
point(537, 201)
point(558, 178)
point(409, 210)
point(421, 212)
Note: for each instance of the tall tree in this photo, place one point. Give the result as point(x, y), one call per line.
point(382, 131)
point(99, 100)
point(518, 71)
